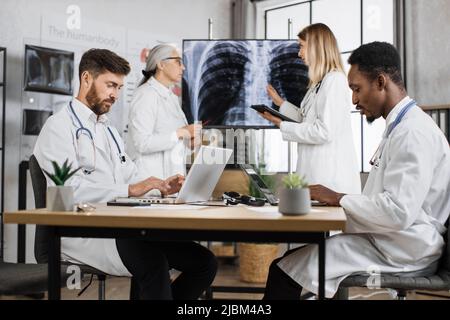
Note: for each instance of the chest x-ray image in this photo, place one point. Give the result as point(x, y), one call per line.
point(223, 78)
point(48, 70)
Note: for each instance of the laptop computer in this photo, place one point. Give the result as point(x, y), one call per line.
point(259, 184)
point(200, 181)
point(262, 187)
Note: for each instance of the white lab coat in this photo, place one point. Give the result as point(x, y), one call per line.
point(326, 152)
point(396, 225)
point(155, 115)
point(110, 178)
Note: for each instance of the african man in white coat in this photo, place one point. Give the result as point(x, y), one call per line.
point(397, 224)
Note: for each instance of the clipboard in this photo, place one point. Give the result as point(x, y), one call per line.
point(262, 107)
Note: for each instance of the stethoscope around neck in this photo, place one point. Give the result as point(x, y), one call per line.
point(83, 131)
point(374, 161)
point(315, 90)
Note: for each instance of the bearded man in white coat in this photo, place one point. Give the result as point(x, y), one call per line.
point(82, 134)
point(398, 222)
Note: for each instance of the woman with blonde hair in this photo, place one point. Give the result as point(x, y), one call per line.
point(326, 152)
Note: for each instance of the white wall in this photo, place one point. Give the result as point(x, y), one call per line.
point(27, 21)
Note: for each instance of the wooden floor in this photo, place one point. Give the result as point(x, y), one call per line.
point(228, 275)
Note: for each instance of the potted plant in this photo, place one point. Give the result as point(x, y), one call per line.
point(60, 197)
point(294, 197)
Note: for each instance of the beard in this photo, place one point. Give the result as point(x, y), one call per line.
point(97, 105)
point(370, 119)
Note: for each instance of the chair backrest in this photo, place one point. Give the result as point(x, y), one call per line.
point(40, 191)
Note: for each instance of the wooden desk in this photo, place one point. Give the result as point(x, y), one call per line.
point(233, 223)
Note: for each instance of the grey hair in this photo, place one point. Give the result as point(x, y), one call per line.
point(156, 55)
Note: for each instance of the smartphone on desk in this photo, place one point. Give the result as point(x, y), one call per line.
point(316, 203)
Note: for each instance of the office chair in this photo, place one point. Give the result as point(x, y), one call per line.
point(434, 278)
point(42, 236)
point(26, 279)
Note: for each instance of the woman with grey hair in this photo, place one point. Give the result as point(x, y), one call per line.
point(158, 129)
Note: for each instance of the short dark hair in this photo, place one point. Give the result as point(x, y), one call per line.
point(98, 61)
point(378, 57)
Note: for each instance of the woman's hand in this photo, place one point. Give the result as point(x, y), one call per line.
point(191, 134)
point(189, 131)
point(273, 94)
point(275, 120)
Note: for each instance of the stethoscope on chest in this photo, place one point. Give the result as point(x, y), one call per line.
point(307, 105)
point(89, 166)
point(375, 160)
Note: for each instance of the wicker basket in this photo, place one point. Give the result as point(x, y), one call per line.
point(221, 250)
point(255, 260)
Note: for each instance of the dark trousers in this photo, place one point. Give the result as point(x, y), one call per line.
point(279, 285)
point(149, 263)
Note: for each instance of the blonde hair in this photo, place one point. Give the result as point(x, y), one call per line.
point(322, 51)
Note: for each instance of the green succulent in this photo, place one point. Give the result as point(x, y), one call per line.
point(61, 175)
point(294, 181)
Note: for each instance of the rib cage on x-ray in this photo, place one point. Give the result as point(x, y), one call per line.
point(223, 78)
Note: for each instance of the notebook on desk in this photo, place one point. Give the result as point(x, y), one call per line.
point(199, 183)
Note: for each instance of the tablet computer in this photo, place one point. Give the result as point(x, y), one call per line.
point(262, 107)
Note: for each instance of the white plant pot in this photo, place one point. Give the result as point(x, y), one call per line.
point(60, 198)
point(294, 201)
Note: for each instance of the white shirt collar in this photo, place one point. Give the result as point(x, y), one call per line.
point(395, 111)
point(86, 115)
point(159, 87)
